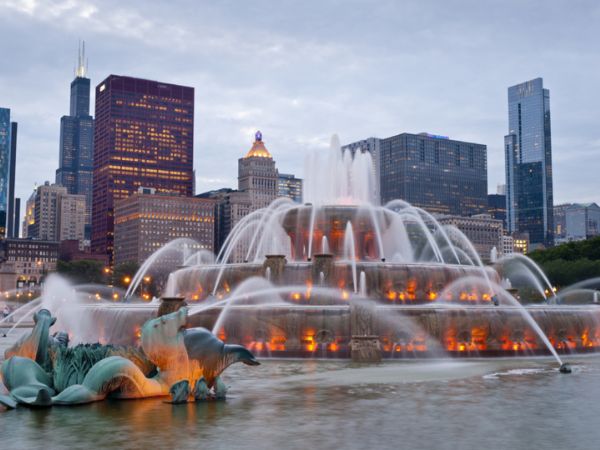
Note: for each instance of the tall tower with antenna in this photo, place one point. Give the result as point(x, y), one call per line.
point(77, 139)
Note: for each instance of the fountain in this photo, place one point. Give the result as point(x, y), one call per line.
point(383, 262)
point(337, 277)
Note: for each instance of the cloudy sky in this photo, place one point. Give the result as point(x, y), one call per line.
point(302, 70)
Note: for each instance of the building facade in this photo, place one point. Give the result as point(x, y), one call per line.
point(521, 242)
point(8, 145)
point(76, 160)
point(54, 215)
point(143, 136)
point(433, 172)
point(507, 245)
point(12, 221)
point(146, 222)
point(290, 186)
point(72, 219)
point(497, 207)
point(26, 262)
point(576, 221)
point(482, 230)
point(528, 155)
point(29, 216)
point(46, 212)
point(560, 222)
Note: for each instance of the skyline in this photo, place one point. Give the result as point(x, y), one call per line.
point(254, 69)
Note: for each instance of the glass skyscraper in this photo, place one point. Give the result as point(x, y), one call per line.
point(143, 137)
point(5, 151)
point(434, 172)
point(76, 163)
point(528, 154)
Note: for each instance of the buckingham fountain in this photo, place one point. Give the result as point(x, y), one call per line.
point(336, 277)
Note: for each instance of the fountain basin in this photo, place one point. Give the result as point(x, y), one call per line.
point(401, 331)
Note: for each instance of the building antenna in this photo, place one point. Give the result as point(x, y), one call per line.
point(82, 64)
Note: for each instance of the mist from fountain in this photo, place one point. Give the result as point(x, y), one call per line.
point(336, 177)
point(532, 272)
point(201, 257)
point(362, 285)
point(350, 252)
point(169, 256)
point(324, 246)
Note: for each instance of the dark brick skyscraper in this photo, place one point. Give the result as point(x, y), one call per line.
point(144, 136)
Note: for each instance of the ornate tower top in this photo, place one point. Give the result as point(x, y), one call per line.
point(258, 148)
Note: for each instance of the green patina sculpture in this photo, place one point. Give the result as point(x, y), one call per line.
point(42, 370)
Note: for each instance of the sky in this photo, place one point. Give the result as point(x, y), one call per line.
point(302, 71)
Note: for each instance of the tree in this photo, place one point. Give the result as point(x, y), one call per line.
point(84, 271)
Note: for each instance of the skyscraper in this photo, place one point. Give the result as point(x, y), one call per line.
point(144, 136)
point(258, 175)
point(258, 186)
point(5, 170)
point(434, 172)
point(76, 163)
point(528, 154)
point(13, 211)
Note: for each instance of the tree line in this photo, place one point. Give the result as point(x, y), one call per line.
point(571, 262)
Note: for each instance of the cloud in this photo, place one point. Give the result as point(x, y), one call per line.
point(301, 71)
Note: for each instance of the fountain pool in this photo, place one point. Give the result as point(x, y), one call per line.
point(293, 404)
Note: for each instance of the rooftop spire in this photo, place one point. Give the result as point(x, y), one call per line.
point(82, 64)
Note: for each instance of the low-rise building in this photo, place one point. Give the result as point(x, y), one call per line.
point(507, 246)
point(146, 222)
point(521, 242)
point(583, 221)
point(26, 262)
point(482, 230)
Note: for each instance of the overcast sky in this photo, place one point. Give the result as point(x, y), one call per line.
point(302, 70)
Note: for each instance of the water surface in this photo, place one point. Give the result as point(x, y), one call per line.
point(511, 403)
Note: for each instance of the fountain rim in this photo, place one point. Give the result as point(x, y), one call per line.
point(338, 261)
